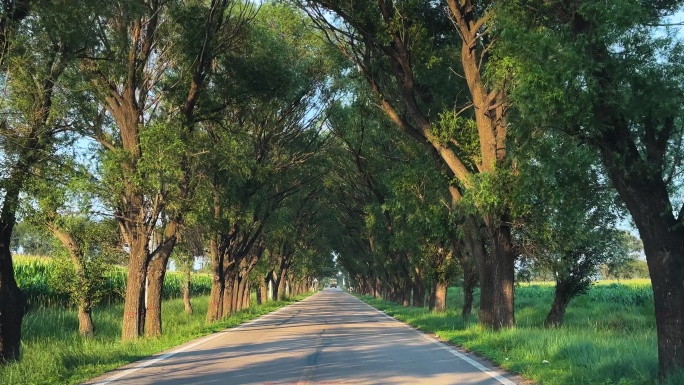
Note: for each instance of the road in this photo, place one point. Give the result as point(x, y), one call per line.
point(329, 338)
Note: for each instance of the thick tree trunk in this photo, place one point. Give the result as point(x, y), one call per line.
point(419, 295)
point(282, 280)
point(86, 328)
point(440, 296)
point(406, 300)
point(236, 295)
point(240, 295)
point(418, 290)
point(134, 305)
point(11, 299)
point(376, 288)
point(663, 237)
point(156, 271)
point(186, 296)
point(215, 310)
point(432, 295)
point(262, 291)
point(229, 293)
point(469, 283)
point(496, 270)
point(561, 300)
point(246, 292)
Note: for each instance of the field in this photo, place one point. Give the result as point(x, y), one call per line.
point(608, 336)
point(32, 274)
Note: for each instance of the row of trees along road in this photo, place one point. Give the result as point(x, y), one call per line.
point(424, 143)
point(153, 128)
point(596, 88)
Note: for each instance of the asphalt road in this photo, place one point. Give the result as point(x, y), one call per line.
point(329, 338)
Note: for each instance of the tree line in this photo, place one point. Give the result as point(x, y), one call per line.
point(547, 121)
point(135, 131)
point(424, 143)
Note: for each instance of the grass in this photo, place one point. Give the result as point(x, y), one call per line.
point(608, 337)
point(54, 353)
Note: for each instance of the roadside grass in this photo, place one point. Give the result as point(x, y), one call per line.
point(54, 353)
point(608, 337)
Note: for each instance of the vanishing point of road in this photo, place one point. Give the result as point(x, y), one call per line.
point(328, 338)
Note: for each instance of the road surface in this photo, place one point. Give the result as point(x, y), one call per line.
point(329, 338)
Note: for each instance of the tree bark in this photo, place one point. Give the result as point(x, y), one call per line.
point(156, 272)
point(228, 293)
point(406, 298)
point(215, 310)
point(134, 304)
point(440, 296)
point(418, 289)
point(469, 282)
point(663, 237)
point(186, 295)
point(246, 292)
point(86, 328)
point(561, 299)
point(12, 305)
point(496, 271)
point(497, 279)
point(281, 284)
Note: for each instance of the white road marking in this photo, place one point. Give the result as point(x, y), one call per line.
point(147, 363)
point(449, 349)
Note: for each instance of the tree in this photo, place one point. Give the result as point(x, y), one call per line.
point(406, 52)
point(608, 76)
point(568, 216)
point(30, 239)
point(33, 59)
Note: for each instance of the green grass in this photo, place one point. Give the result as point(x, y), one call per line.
point(54, 353)
point(609, 335)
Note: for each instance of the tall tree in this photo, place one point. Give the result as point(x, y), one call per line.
point(33, 59)
point(406, 51)
point(610, 77)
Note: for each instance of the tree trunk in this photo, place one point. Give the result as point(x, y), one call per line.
point(406, 300)
point(215, 310)
point(663, 237)
point(440, 296)
point(228, 293)
point(134, 305)
point(418, 290)
point(496, 270)
point(246, 292)
point(236, 295)
point(240, 294)
point(262, 290)
point(432, 295)
point(561, 300)
point(186, 297)
point(11, 299)
point(156, 271)
point(86, 328)
point(469, 282)
point(281, 284)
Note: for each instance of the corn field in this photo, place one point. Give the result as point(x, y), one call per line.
point(628, 293)
point(32, 275)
